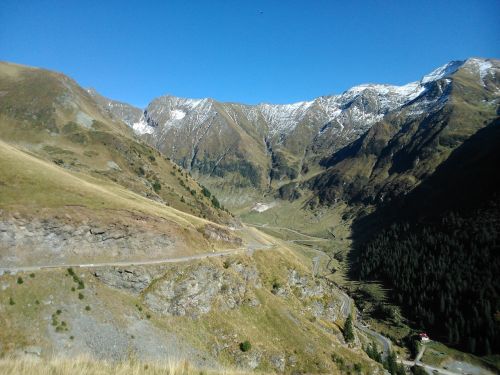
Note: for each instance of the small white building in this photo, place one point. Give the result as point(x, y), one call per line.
point(424, 337)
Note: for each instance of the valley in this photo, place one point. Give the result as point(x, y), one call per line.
point(227, 237)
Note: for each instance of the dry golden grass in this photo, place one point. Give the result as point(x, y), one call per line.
point(88, 366)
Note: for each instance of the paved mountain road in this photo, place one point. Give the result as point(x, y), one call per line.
point(420, 353)
point(432, 369)
point(384, 341)
point(250, 249)
point(311, 238)
point(346, 310)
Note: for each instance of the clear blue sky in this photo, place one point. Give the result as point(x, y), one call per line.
point(295, 50)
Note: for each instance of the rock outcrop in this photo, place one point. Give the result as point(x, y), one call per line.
point(198, 289)
point(46, 241)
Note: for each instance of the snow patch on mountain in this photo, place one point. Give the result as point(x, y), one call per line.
point(142, 127)
point(172, 112)
point(330, 105)
point(283, 118)
point(431, 102)
point(177, 114)
point(442, 71)
point(482, 67)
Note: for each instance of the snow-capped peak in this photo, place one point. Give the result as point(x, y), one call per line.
point(442, 72)
point(406, 92)
point(284, 117)
point(362, 105)
point(481, 66)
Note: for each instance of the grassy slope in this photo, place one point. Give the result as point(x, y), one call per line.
point(30, 183)
point(63, 158)
point(50, 116)
point(33, 188)
point(90, 366)
point(277, 325)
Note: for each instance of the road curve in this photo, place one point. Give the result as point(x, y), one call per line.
point(384, 341)
point(436, 370)
point(420, 353)
point(346, 310)
point(290, 230)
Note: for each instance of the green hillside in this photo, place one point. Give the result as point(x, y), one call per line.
point(48, 115)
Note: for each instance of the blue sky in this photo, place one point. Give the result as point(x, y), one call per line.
point(275, 51)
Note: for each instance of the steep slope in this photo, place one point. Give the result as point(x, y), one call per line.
point(438, 246)
point(429, 172)
point(197, 312)
point(79, 184)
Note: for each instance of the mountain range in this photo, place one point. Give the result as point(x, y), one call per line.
point(235, 148)
point(256, 236)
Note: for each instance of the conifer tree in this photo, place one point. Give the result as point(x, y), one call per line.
point(348, 330)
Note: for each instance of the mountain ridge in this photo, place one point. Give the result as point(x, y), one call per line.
point(265, 146)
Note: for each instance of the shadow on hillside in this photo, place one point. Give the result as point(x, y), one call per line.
point(454, 212)
point(468, 179)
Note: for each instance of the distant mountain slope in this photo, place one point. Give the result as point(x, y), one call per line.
point(122, 111)
point(265, 145)
point(237, 148)
point(407, 145)
point(68, 167)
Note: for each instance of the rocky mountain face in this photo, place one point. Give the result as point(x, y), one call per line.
point(266, 146)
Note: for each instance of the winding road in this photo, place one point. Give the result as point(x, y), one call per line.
point(346, 307)
point(384, 342)
point(346, 310)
